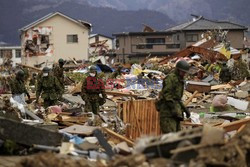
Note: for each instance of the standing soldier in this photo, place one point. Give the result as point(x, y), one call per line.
point(93, 92)
point(225, 74)
point(169, 104)
point(117, 73)
point(18, 88)
point(58, 73)
point(49, 87)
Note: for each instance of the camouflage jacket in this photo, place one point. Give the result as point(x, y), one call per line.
point(49, 87)
point(58, 73)
point(17, 87)
point(225, 74)
point(173, 87)
point(170, 96)
point(91, 88)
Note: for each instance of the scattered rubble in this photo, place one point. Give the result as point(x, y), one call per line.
point(217, 134)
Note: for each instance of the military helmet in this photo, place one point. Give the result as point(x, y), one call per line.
point(46, 70)
point(182, 65)
point(20, 73)
point(61, 61)
point(120, 66)
point(92, 69)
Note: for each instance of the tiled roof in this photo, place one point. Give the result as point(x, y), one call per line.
point(205, 24)
point(80, 22)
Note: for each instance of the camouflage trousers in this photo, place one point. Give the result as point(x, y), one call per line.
point(169, 125)
point(61, 93)
point(92, 106)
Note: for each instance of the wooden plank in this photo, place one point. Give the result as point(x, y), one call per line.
point(75, 119)
point(241, 128)
point(149, 117)
point(190, 99)
point(223, 86)
point(120, 94)
point(30, 67)
point(124, 111)
point(204, 98)
point(129, 142)
point(138, 116)
point(235, 125)
point(144, 116)
point(119, 110)
point(153, 117)
point(136, 119)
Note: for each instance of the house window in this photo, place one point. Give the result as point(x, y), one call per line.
point(156, 40)
point(173, 46)
point(18, 53)
point(5, 53)
point(72, 39)
point(192, 37)
point(178, 37)
point(147, 46)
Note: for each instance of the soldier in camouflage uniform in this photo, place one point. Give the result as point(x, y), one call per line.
point(18, 88)
point(225, 74)
point(93, 92)
point(58, 73)
point(49, 87)
point(117, 73)
point(169, 104)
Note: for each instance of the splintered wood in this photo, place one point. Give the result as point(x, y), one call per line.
point(144, 120)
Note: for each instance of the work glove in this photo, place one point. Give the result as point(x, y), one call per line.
point(185, 110)
point(187, 113)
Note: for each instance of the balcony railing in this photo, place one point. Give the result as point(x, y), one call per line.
point(155, 47)
point(151, 46)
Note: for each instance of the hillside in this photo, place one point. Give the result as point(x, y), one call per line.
point(104, 20)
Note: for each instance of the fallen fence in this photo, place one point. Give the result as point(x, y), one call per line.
point(141, 117)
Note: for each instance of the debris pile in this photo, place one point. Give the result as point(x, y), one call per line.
point(216, 92)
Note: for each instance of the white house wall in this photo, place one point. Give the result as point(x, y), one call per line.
point(61, 27)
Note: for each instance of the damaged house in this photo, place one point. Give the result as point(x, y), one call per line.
point(52, 37)
point(10, 55)
point(135, 46)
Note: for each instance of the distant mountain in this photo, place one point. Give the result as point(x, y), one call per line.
point(14, 14)
point(110, 16)
point(180, 10)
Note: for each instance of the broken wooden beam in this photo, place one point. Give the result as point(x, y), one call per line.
point(235, 125)
point(30, 67)
point(205, 98)
point(120, 94)
point(190, 99)
point(116, 135)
